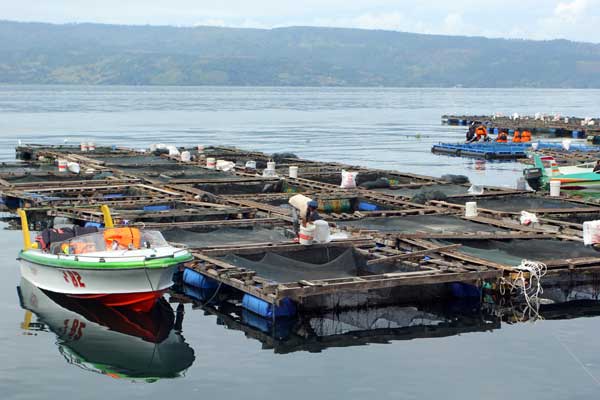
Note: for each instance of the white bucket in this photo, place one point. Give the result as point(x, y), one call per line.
point(555, 188)
point(306, 234)
point(271, 165)
point(91, 146)
point(186, 156)
point(566, 144)
point(322, 232)
point(293, 171)
point(250, 164)
point(83, 146)
point(62, 165)
point(471, 209)
point(535, 145)
point(211, 163)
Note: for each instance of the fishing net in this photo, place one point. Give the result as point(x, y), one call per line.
point(420, 223)
point(309, 264)
point(234, 188)
point(225, 236)
point(512, 252)
point(519, 203)
point(447, 189)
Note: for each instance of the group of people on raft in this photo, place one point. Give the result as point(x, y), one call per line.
point(479, 133)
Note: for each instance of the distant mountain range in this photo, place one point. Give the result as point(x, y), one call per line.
point(39, 53)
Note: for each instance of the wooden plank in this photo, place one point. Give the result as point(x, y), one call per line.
point(412, 255)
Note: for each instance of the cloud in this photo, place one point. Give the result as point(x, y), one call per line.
point(572, 11)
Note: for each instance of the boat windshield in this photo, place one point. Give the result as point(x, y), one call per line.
point(110, 240)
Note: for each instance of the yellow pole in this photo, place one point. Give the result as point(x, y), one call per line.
point(27, 320)
point(108, 221)
point(25, 229)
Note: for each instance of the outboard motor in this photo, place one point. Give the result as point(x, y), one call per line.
point(533, 176)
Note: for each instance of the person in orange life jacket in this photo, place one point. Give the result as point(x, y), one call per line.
point(517, 136)
point(481, 132)
point(525, 136)
point(502, 137)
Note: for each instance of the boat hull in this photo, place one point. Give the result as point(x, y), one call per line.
point(136, 288)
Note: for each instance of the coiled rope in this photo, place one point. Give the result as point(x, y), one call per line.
point(527, 281)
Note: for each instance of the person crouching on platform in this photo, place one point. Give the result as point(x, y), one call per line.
point(312, 214)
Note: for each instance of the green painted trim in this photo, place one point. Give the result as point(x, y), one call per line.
point(162, 262)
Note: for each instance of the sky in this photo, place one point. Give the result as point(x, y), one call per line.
point(523, 19)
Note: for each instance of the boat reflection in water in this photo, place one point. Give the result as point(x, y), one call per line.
point(119, 343)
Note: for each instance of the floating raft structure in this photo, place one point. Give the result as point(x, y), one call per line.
point(577, 128)
point(392, 245)
point(506, 151)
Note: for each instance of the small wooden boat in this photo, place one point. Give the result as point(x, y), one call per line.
point(116, 266)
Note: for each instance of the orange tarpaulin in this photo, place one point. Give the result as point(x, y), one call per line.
point(124, 238)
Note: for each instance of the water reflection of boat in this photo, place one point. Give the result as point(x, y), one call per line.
point(119, 343)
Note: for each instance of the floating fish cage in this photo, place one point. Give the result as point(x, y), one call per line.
point(395, 238)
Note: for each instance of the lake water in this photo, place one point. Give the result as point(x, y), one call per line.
point(377, 127)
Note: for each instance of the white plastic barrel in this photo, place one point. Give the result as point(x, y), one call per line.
point(322, 232)
point(62, 165)
point(555, 188)
point(293, 171)
point(306, 234)
point(83, 146)
point(271, 165)
point(91, 146)
point(211, 163)
point(186, 156)
point(471, 209)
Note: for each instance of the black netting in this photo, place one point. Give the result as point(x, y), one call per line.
point(310, 264)
point(447, 189)
point(519, 203)
point(420, 223)
point(226, 236)
point(511, 252)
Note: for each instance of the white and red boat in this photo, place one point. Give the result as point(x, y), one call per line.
point(116, 266)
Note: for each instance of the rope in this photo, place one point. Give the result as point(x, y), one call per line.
point(527, 281)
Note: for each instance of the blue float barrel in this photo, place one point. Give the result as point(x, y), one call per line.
point(287, 308)
point(196, 279)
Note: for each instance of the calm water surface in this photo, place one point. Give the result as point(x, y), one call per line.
point(387, 128)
